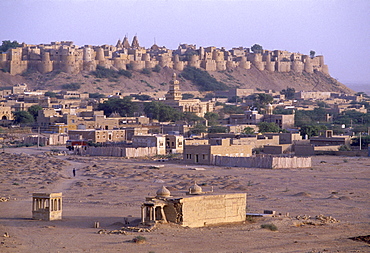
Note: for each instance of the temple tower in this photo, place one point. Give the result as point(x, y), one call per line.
point(174, 92)
point(135, 42)
point(125, 43)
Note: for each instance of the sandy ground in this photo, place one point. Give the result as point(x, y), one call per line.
point(109, 189)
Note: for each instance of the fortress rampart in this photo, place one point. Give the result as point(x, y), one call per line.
point(69, 58)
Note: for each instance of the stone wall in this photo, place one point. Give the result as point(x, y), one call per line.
point(199, 211)
point(119, 151)
point(269, 162)
point(72, 59)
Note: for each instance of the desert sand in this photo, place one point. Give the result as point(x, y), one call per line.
point(110, 190)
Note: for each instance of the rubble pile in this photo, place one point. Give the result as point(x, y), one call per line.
point(318, 220)
point(4, 199)
point(125, 230)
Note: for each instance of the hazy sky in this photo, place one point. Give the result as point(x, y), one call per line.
point(337, 29)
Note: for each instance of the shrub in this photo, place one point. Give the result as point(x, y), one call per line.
point(187, 96)
point(270, 226)
point(102, 72)
point(96, 95)
point(139, 239)
point(251, 219)
point(203, 79)
point(50, 94)
point(129, 66)
point(146, 71)
point(344, 148)
point(125, 73)
point(71, 86)
point(157, 68)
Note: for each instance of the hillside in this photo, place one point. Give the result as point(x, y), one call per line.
point(158, 82)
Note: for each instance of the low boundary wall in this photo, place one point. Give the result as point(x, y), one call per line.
point(119, 151)
point(269, 162)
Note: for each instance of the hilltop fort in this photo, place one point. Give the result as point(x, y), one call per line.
point(69, 58)
point(248, 68)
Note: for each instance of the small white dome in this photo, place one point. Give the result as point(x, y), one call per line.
point(195, 189)
point(163, 192)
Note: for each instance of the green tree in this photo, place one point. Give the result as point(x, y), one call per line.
point(191, 117)
point(142, 97)
point(312, 54)
point(187, 96)
point(161, 112)
point(288, 92)
point(8, 44)
point(365, 141)
point(281, 110)
point(232, 109)
point(353, 117)
point(198, 129)
point(50, 94)
point(212, 118)
point(322, 104)
point(23, 117)
point(303, 117)
point(235, 99)
point(34, 111)
point(268, 127)
point(260, 100)
point(217, 129)
point(311, 130)
point(248, 130)
point(122, 106)
point(96, 95)
point(256, 48)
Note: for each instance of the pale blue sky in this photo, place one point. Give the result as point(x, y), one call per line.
point(337, 29)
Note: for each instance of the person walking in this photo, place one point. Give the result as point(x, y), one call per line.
point(74, 172)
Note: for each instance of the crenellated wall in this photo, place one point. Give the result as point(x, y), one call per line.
point(69, 58)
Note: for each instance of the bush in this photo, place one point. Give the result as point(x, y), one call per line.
point(102, 72)
point(203, 79)
point(217, 129)
point(139, 239)
point(270, 226)
point(344, 148)
point(146, 71)
point(187, 96)
point(96, 95)
point(50, 94)
point(71, 86)
point(157, 68)
point(129, 66)
point(125, 73)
